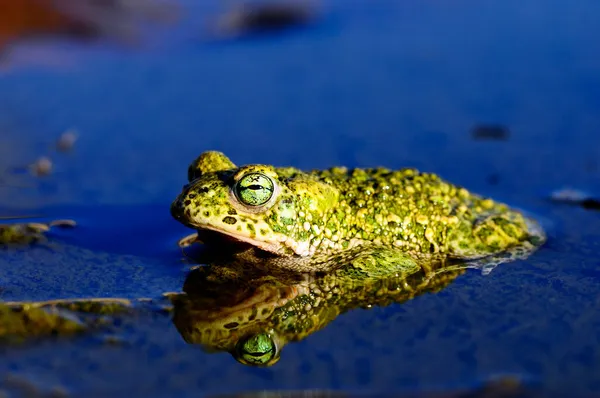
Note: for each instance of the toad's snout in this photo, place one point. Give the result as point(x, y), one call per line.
point(177, 210)
point(179, 207)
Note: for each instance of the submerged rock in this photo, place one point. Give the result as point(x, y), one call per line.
point(28, 233)
point(24, 321)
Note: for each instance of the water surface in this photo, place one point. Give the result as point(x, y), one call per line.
point(394, 84)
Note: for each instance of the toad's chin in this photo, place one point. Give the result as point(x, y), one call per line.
point(217, 239)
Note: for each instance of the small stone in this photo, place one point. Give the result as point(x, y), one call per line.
point(42, 167)
point(66, 141)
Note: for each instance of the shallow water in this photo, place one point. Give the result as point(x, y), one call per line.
point(392, 84)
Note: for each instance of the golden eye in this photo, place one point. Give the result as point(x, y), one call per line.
point(254, 189)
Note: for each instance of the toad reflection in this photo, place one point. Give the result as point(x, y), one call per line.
point(253, 317)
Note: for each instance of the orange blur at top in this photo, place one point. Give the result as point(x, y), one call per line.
point(20, 18)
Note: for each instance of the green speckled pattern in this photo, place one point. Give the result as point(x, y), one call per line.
point(319, 215)
point(256, 318)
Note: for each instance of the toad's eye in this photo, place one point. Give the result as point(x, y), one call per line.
point(257, 350)
point(254, 189)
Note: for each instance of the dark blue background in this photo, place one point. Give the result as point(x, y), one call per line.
point(391, 83)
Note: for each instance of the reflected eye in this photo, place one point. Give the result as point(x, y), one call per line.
point(254, 189)
point(259, 349)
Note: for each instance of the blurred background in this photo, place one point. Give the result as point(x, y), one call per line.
point(150, 84)
point(103, 104)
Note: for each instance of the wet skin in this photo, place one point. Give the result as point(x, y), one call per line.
point(380, 222)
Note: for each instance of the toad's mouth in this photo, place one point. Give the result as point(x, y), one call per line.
point(214, 236)
point(208, 233)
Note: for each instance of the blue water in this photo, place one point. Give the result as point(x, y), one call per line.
point(369, 83)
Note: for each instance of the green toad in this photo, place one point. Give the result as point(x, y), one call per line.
point(380, 222)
